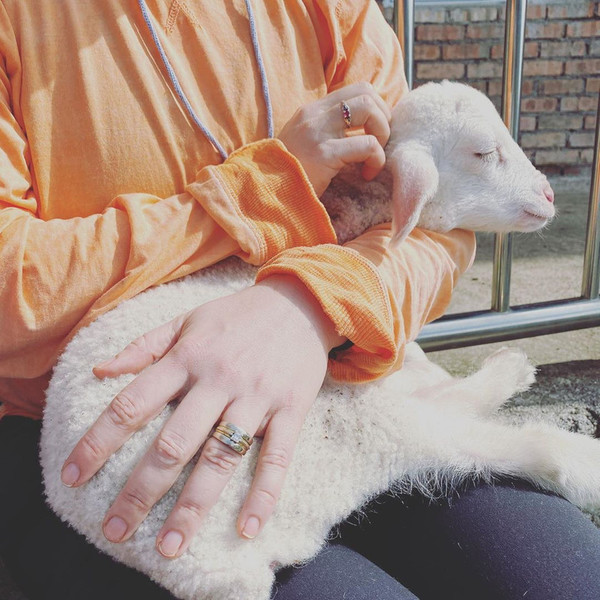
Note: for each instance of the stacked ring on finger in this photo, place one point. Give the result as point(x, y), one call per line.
point(233, 436)
point(346, 114)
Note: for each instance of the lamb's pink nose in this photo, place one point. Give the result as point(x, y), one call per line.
point(548, 192)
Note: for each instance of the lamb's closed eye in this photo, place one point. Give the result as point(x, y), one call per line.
point(488, 155)
point(476, 178)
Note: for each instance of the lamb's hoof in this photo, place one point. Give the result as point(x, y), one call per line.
point(513, 369)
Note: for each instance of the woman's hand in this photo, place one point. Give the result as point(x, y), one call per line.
point(257, 359)
point(316, 134)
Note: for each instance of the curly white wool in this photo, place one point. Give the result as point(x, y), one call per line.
point(418, 427)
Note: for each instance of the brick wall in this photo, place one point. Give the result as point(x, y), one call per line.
point(561, 77)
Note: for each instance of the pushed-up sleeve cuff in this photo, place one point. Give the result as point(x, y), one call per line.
point(262, 198)
point(355, 298)
point(377, 296)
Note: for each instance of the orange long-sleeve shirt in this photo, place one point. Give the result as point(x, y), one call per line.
point(107, 187)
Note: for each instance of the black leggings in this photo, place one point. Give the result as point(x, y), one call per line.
point(490, 542)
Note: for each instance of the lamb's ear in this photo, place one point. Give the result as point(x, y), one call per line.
point(415, 178)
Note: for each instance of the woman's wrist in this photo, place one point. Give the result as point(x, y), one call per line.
point(299, 295)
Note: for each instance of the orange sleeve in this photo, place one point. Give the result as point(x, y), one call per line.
point(379, 298)
point(58, 275)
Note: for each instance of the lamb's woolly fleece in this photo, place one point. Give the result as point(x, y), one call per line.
point(418, 427)
point(356, 442)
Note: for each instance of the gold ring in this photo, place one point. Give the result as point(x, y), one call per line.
point(346, 114)
point(233, 436)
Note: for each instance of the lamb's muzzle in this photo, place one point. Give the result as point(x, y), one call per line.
point(451, 162)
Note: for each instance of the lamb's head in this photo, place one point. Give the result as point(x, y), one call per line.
point(455, 164)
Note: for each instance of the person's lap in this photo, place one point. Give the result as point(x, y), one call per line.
point(499, 541)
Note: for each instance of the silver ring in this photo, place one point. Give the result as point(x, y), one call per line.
point(346, 114)
point(233, 436)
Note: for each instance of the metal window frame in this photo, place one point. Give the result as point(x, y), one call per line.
point(504, 322)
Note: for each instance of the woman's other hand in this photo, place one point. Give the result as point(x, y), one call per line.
point(317, 134)
point(256, 359)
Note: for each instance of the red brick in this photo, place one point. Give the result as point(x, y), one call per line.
point(482, 13)
point(527, 87)
point(583, 29)
point(462, 51)
point(592, 84)
point(562, 86)
point(440, 33)
point(430, 15)
point(575, 171)
point(530, 50)
point(527, 123)
point(485, 31)
point(497, 51)
point(556, 157)
point(484, 70)
point(533, 68)
point(536, 11)
point(563, 48)
point(458, 15)
point(559, 122)
point(581, 140)
point(590, 122)
point(545, 30)
point(587, 156)
point(581, 104)
point(545, 139)
point(571, 11)
point(539, 104)
point(590, 65)
point(582, 171)
point(440, 70)
point(494, 87)
point(569, 104)
point(479, 85)
point(587, 103)
point(427, 52)
point(550, 170)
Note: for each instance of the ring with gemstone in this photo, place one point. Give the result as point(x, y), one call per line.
point(233, 436)
point(346, 114)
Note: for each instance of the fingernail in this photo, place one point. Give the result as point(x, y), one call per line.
point(251, 528)
point(70, 474)
point(115, 529)
point(170, 544)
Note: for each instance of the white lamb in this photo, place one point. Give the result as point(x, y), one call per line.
point(455, 165)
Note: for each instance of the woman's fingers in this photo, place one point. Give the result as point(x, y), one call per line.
point(307, 135)
point(366, 114)
point(362, 88)
point(216, 358)
point(131, 409)
point(143, 351)
point(273, 462)
point(173, 448)
point(360, 148)
point(216, 464)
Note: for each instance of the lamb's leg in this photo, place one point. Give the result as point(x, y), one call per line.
point(554, 459)
point(453, 445)
point(503, 374)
